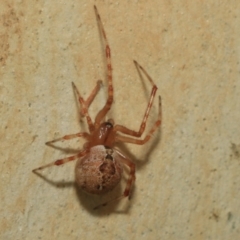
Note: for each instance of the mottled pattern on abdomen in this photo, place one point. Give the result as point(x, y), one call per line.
point(97, 173)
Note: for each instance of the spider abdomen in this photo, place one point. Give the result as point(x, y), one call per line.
point(99, 171)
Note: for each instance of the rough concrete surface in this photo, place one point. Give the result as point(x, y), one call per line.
point(187, 176)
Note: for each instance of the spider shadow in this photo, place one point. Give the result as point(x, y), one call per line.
point(153, 146)
point(90, 201)
point(57, 184)
point(64, 149)
point(87, 201)
point(147, 155)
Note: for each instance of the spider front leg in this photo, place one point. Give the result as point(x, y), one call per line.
point(86, 103)
point(102, 113)
point(63, 160)
point(92, 95)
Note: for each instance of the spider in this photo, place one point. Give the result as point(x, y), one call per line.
point(100, 165)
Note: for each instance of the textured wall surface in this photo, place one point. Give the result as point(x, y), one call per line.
point(187, 178)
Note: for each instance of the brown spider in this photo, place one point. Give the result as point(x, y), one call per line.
point(99, 166)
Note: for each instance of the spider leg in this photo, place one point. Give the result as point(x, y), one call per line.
point(120, 138)
point(125, 130)
point(63, 160)
point(68, 137)
point(130, 180)
point(93, 94)
point(83, 103)
point(102, 113)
